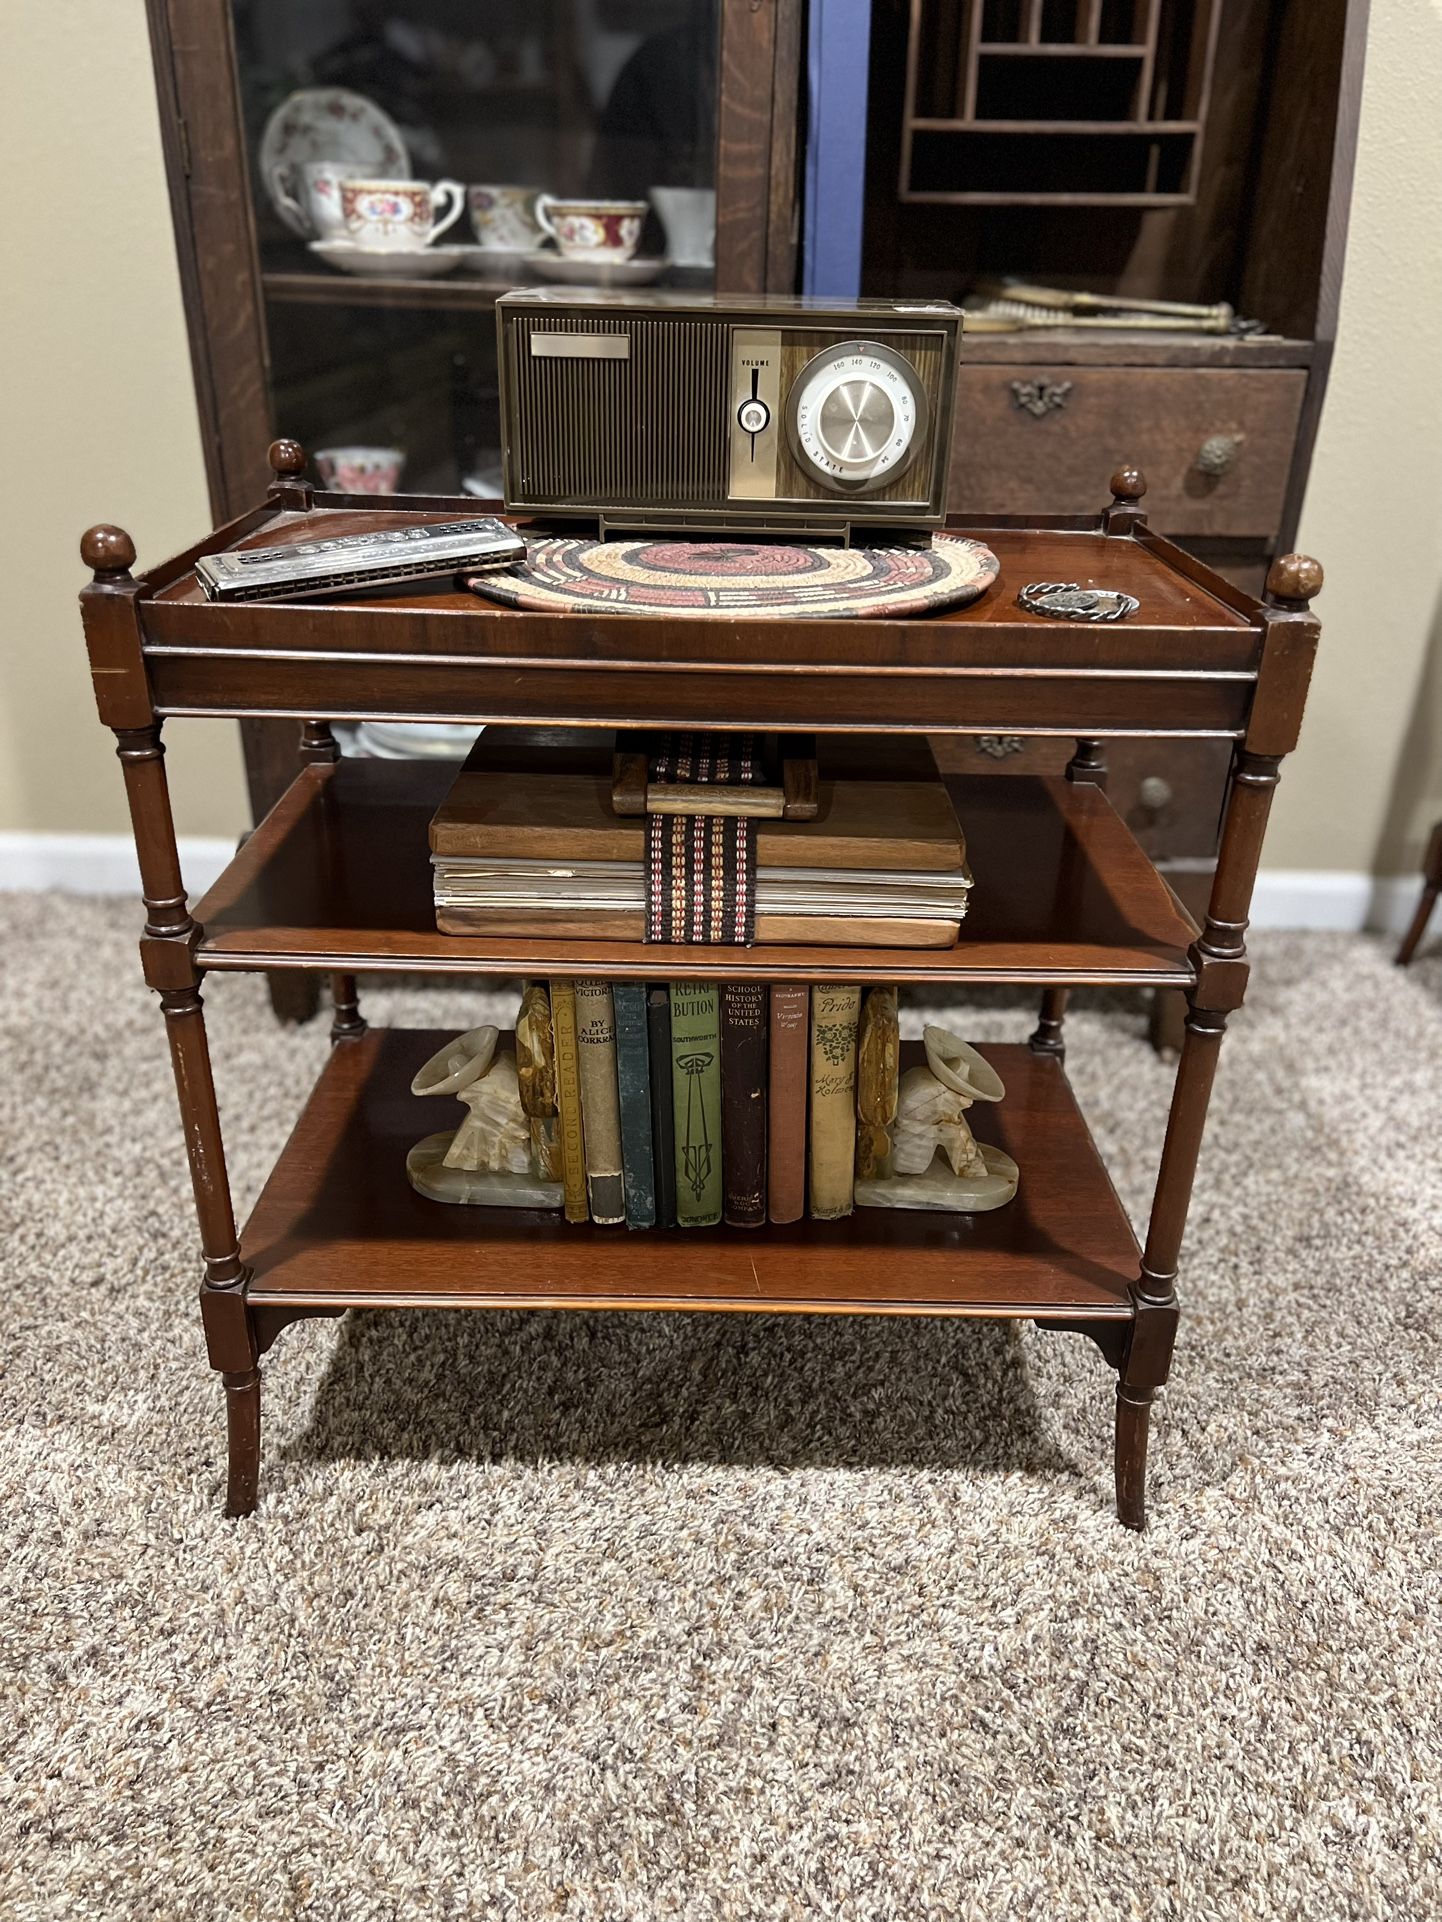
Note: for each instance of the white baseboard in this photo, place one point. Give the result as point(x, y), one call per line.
point(99, 863)
point(105, 864)
point(1334, 898)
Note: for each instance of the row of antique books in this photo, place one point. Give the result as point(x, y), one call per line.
point(696, 1102)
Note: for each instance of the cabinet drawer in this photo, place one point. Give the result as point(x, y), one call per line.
point(1043, 440)
point(1169, 793)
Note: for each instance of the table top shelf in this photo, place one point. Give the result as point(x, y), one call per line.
point(337, 1224)
point(1186, 663)
point(338, 876)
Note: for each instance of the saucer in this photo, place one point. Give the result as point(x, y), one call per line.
point(636, 272)
point(388, 263)
point(497, 263)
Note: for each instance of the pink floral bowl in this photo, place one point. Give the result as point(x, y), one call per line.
point(361, 470)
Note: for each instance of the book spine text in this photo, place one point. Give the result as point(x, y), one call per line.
point(633, 1086)
point(786, 1118)
point(600, 1101)
point(663, 1140)
point(696, 1101)
point(744, 1024)
point(568, 1099)
point(834, 1012)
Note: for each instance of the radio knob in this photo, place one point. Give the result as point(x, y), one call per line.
point(753, 416)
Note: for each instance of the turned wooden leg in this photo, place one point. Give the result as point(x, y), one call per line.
point(1431, 888)
point(242, 1421)
point(349, 1023)
point(1047, 1036)
point(1134, 1411)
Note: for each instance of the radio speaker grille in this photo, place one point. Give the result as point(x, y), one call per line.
point(652, 428)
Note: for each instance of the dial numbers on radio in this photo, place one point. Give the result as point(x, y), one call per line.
point(855, 415)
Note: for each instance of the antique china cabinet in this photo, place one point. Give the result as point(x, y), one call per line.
point(1184, 150)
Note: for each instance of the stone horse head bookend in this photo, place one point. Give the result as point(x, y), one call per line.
point(935, 1160)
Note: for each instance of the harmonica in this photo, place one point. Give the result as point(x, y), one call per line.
point(360, 563)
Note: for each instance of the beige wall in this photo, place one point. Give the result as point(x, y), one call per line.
point(99, 412)
point(100, 425)
point(1367, 779)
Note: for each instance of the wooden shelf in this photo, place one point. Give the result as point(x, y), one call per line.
point(457, 290)
point(338, 876)
point(337, 1224)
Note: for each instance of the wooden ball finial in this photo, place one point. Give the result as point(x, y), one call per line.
point(107, 550)
point(1128, 484)
point(286, 457)
point(1294, 577)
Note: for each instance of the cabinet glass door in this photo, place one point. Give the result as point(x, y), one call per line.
point(559, 140)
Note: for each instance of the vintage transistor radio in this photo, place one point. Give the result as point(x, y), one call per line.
point(669, 410)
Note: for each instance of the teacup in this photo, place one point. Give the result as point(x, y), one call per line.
point(689, 216)
point(403, 214)
point(360, 470)
point(597, 230)
point(504, 218)
point(311, 193)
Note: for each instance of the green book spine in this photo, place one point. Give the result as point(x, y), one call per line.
point(600, 1102)
point(633, 1083)
point(696, 1101)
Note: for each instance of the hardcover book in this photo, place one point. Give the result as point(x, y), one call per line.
point(786, 1101)
point(568, 1099)
point(745, 1019)
point(696, 1101)
point(633, 1087)
point(600, 1101)
point(663, 1141)
point(834, 1015)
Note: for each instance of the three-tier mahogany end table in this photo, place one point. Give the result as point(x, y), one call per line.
point(337, 879)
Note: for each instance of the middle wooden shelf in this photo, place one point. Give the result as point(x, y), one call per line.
point(338, 876)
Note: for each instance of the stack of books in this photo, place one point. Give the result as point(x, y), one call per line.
point(529, 843)
point(695, 1102)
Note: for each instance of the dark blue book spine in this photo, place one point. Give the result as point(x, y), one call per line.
point(663, 1139)
point(633, 1082)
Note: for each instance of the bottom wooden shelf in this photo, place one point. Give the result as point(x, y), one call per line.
point(337, 1224)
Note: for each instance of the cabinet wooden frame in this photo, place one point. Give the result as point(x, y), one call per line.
point(225, 293)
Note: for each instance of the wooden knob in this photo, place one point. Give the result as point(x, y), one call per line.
point(286, 457)
point(1294, 577)
point(107, 550)
point(1128, 484)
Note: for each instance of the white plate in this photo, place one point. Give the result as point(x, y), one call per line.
point(412, 741)
point(388, 263)
point(330, 123)
point(597, 273)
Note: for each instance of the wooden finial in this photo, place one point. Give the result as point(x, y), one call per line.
point(287, 458)
point(1294, 579)
point(1128, 485)
point(107, 551)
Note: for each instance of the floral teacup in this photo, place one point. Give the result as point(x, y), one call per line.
point(360, 470)
point(399, 213)
point(600, 230)
point(312, 193)
point(504, 218)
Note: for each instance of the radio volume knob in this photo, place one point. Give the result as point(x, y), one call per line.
point(753, 416)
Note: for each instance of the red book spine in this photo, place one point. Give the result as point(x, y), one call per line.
point(790, 1075)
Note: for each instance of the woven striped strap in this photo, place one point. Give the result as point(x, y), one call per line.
point(701, 868)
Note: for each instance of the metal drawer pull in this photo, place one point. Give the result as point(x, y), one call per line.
point(1219, 454)
point(1154, 793)
point(1040, 397)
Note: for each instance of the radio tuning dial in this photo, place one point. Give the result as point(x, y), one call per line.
point(858, 416)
